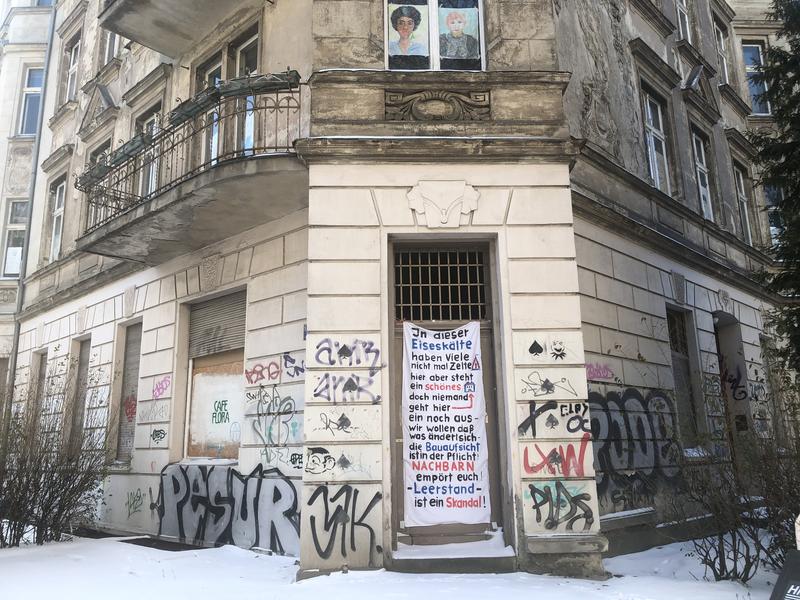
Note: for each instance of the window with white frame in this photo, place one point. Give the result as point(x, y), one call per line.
point(773, 197)
point(211, 76)
point(31, 101)
point(72, 55)
point(743, 201)
point(58, 192)
point(684, 20)
point(16, 223)
point(246, 65)
point(147, 125)
point(753, 53)
point(110, 47)
point(702, 173)
point(656, 142)
point(435, 34)
point(721, 36)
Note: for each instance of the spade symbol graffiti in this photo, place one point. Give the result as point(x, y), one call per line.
point(535, 348)
point(343, 423)
point(344, 352)
point(551, 422)
point(548, 387)
point(350, 385)
point(343, 462)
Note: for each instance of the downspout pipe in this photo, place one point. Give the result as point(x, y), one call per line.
point(7, 397)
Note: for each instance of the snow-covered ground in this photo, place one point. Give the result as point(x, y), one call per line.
point(108, 569)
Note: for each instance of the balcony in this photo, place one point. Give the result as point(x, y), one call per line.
point(218, 164)
point(171, 26)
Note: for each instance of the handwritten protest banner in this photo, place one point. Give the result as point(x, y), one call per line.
point(445, 460)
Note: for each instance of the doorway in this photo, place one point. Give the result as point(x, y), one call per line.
point(441, 288)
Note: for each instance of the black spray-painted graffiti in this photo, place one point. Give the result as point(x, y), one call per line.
point(542, 386)
point(274, 424)
point(566, 504)
point(219, 505)
point(343, 520)
point(330, 353)
point(134, 502)
point(347, 388)
point(573, 414)
point(635, 446)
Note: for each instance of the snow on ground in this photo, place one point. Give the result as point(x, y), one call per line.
point(108, 569)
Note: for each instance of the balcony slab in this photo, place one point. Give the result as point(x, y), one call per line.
point(208, 208)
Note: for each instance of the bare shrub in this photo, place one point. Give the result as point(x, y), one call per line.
point(710, 499)
point(55, 462)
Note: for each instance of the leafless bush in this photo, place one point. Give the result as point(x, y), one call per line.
point(55, 463)
point(711, 496)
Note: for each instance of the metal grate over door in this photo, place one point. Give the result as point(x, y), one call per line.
point(440, 285)
point(217, 325)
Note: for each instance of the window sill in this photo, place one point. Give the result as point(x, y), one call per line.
point(22, 137)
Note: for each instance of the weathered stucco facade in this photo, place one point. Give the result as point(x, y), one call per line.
point(229, 286)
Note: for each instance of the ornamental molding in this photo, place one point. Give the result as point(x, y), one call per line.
point(441, 204)
point(438, 105)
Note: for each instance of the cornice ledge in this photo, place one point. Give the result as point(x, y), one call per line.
point(648, 57)
point(62, 112)
point(732, 97)
point(737, 139)
point(147, 83)
point(59, 155)
point(694, 56)
point(439, 79)
point(423, 148)
point(72, 21)
point(602, 162)
point(653, 15)
point(646, 234)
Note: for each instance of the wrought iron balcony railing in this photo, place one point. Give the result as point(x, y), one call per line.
point(239, 119)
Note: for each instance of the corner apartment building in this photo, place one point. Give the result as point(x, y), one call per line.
point(239, 205)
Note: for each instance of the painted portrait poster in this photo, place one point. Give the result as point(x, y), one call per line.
point(459, 35)
point(408, 35)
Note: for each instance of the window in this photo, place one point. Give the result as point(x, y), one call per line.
point(684, 21)
point(111, 47)
point(702, 174)
point(246, 65)
point(58, 193)
point(655, 140)
point(79, 401)
point(773, 198)
point(100, 154)
point(147, 125)
point(210, 77)
point(681, 371)
point(44, 2)
point(31, 101)
point(753, 60)
point(440, 285)
point(130, 393)
point(721, 36)
point(743, 202)
point(15, 237)
point(435, 34)
point(73, 51)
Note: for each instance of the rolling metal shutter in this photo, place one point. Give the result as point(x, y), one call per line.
point(217, 325)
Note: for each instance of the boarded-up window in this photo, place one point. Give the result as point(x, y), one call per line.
point(216, 342)
point(79, 402)
point(681, 371)
point(130, 390)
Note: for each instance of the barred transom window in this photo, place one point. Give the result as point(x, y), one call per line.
point(440, 285)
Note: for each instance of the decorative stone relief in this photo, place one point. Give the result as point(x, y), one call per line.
point(19, 170)
point(210, 272)
point(678, 287)
point(128, 301)
point(724, 299)
point(7, 296)
point(442, 203)
point(438, 105)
